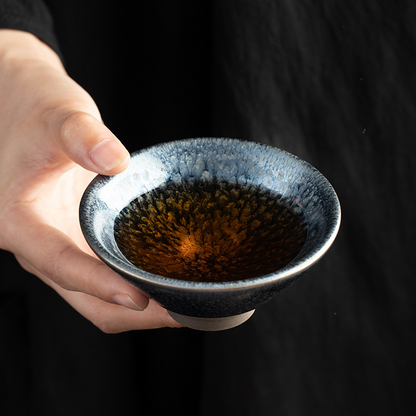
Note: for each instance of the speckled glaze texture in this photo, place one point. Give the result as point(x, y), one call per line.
point(211, 159)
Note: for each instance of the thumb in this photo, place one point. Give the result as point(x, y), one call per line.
point(90, 144)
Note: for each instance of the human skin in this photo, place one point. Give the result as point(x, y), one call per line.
point(52, 143)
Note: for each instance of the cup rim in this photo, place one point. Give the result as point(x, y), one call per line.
point(294, 268)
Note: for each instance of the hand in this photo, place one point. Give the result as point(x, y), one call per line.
point(52, 143)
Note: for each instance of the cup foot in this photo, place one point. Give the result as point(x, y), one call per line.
point(211, 324)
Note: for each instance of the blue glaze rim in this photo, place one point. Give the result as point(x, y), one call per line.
point(295, 268)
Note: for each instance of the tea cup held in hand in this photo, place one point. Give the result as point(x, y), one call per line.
point(211, 228)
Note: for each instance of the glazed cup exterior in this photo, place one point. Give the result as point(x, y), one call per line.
point(212, 159)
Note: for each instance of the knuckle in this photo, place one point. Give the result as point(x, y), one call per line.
point(52, 269)
point(103, 324)
point(74, 122)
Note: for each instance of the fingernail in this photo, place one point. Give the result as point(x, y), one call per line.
point(126, 301)
point(108, 154)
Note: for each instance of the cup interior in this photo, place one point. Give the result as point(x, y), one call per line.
point(286, 177)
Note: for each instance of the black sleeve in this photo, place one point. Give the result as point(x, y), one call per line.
point(30, 16)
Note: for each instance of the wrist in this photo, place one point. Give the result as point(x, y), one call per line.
point(19, 46)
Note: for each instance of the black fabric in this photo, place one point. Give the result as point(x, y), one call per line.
point(31, 16)
point(332, 82)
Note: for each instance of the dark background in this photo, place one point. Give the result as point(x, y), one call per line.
point(332, 82)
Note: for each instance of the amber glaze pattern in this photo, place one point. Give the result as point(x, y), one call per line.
point(209, 232)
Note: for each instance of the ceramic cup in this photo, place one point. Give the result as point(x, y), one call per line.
point(213, 305)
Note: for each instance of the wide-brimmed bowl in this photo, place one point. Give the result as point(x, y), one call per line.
point(213, 305)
